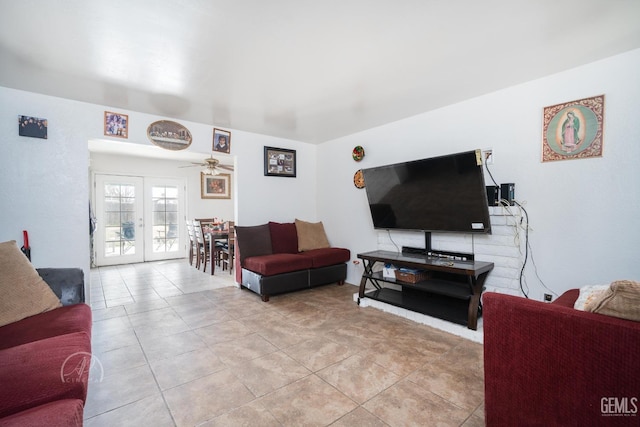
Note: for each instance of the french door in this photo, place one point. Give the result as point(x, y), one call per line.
point(164, 214)
point(138, 219)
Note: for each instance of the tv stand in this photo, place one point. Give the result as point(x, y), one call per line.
point(451, 291)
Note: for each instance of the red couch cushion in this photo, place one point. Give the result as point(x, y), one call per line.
point(568, 299)
point(284, 237)
point(270, 265)
point(44, 371)
point(61, 413)
point(63, 320)
point(327, 256)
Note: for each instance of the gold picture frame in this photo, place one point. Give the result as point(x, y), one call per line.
point(215, 186)
point(573, 130)
point(221, 141)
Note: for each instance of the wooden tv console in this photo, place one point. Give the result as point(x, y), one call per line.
point(451, 290)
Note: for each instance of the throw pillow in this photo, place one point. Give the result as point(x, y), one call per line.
point(311, 236)
point(254, 240)
point(588, 293)
point(284, 238)
point(23, 291)
point(621, 299)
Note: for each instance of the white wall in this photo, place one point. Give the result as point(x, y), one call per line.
point(583, 213)
point(44, 182)
point(268, 198)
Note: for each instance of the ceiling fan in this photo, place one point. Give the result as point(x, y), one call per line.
point(210, 166)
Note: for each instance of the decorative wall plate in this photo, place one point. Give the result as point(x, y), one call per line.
point(358, 153)
point(358, 179)
point(169, 135)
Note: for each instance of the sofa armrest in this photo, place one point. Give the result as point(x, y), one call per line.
point(66, 283)
point(554, 365)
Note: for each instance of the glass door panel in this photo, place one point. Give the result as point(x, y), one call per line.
point(119, 209)
point(166, 207)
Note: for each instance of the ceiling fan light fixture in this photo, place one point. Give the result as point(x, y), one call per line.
point(210, 171)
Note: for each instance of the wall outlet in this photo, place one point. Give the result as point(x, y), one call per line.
point(547, 297)
point(487, 156)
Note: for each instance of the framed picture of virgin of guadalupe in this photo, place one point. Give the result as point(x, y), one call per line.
point(573, 130)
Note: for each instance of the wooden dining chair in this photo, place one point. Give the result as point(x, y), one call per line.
point(202, 246)
point(228, 251)
point(193, 246)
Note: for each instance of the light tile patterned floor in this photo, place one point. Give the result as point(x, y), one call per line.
point(179, 347)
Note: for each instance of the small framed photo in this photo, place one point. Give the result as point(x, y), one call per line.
point(573, 130)
point(279, 162)
point(116, 124)
point(33, 127)
point(215, 186)
point(221, 141)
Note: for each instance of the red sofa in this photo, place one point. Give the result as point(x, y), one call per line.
point(44, 359)
point(552, 365)
point(270, 263)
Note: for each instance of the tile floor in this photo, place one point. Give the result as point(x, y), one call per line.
point(178, 347)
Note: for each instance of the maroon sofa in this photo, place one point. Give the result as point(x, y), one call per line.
point(268, 261)
point(44, 359)
point(552, 365)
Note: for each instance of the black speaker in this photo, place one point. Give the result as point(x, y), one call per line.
point(508, 193)
point(493, 195)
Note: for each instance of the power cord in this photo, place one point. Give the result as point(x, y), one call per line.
point(394, 243)
point(486, 166)
point(528, 248)
point(535, 270)
point(526, 245)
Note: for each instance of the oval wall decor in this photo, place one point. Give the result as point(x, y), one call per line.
point(169, 135)
point(358, 179)
point(357, 153)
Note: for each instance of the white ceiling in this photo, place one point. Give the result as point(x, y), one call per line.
point(306, 70)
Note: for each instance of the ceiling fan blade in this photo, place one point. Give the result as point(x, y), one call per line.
point(210, 164)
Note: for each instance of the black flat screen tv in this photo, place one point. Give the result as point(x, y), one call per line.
point(438, 194)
